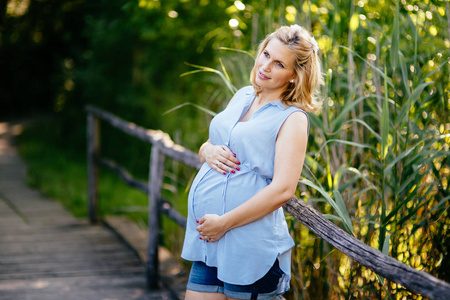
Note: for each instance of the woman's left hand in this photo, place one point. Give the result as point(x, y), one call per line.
point(211, 228)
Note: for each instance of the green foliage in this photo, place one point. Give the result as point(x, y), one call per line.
point(138, 51)
point(38, 43)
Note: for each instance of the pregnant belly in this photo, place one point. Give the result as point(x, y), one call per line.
point(218, 194)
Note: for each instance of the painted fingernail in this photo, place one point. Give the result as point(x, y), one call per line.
point(238, 163)
point(234, 154)
point(224, 173)
point(232, 171)
point(237, 168)
point(197, 221)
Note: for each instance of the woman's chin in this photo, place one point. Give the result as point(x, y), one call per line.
point(261, 83)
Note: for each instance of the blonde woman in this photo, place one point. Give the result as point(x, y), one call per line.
point(236, 233)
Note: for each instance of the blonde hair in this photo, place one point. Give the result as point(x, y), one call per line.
point(307, 68)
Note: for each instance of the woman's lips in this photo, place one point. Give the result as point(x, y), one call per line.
point(262, 76)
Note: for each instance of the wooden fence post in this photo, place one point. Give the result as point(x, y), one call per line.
point(155, 184)
point(93, 145)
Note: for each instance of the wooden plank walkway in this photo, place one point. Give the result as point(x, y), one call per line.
point(46, 253)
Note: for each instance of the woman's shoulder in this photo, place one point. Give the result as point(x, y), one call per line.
point(291, 109)
point(246, 90)
point(297, 119)
point(298, 114)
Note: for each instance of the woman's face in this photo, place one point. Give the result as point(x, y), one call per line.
point(275, 67)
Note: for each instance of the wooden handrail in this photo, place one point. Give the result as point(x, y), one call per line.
point(155, 137)
point(415, 281)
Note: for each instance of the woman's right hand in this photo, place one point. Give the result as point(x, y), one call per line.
point(219, 158)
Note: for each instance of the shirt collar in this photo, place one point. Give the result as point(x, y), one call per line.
point(277, 103)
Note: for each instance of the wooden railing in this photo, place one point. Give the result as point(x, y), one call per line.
point(162, 146)
point(415, 281)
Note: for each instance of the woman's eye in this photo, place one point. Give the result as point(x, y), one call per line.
point(266, 54)
point(280, 65)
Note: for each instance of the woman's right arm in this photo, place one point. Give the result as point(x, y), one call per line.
point(218, 157)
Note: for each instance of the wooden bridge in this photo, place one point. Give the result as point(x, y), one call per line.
point(46, 253)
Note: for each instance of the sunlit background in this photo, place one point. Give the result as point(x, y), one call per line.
point(380, 144)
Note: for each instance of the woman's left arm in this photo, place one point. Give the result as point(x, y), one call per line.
point(290, 150)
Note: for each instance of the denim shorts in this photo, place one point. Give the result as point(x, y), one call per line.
point(204, 279)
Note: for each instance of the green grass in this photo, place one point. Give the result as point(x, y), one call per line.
point(57, 174)
point(60, 172)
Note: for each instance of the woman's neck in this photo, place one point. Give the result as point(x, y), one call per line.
point(267, 96)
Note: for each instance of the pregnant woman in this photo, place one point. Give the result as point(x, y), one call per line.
point(236, 235)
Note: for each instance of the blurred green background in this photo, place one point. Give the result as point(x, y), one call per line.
point(379, 149)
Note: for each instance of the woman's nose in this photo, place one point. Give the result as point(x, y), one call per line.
point(266, 66)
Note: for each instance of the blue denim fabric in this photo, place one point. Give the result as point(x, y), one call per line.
point(204, 279)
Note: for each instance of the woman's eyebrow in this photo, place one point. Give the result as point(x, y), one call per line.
point(280, 61)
